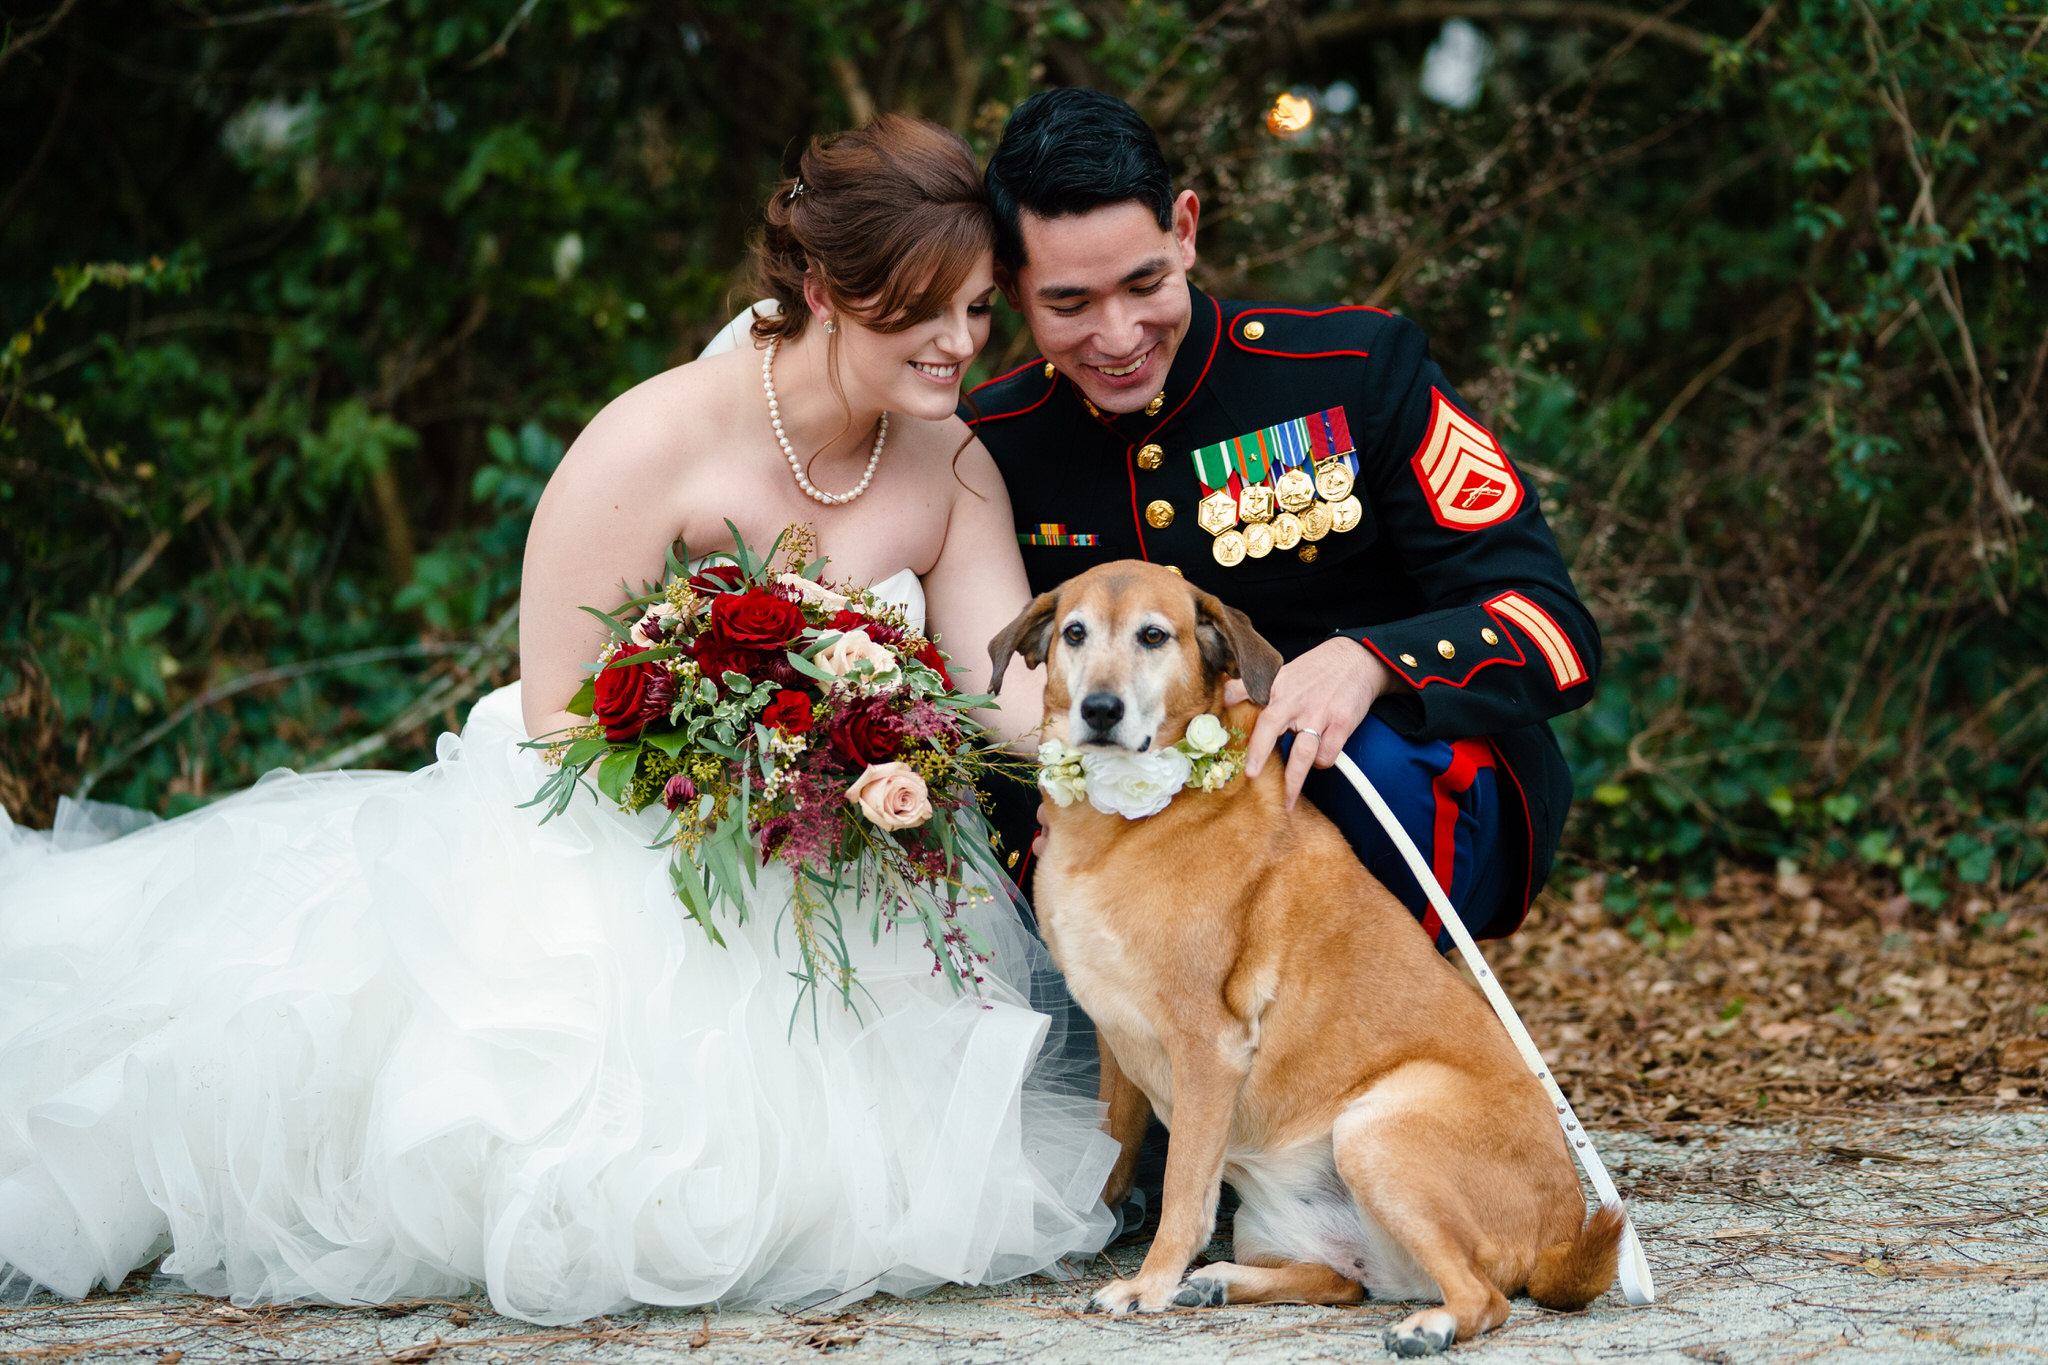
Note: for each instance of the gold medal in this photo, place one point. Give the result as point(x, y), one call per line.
point(1345, 515)
point(1256, 502)
point(1287, 530)
point(1229, 549)
point(1333, 480)
point(1315, 522)
point(1258, 539)
point(1296, 490)
point(1217, 513)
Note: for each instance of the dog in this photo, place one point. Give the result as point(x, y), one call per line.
point(1258, 989)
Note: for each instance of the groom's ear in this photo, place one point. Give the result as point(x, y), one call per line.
point(1231, 647)
point(1030, 635)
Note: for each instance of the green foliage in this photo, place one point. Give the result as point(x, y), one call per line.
point(1747, 290)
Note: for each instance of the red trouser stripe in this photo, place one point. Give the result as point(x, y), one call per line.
point(1468, 756)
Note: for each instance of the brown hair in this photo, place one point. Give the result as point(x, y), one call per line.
point(888, 219)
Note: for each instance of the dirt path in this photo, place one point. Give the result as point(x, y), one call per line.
point(1897, 1239)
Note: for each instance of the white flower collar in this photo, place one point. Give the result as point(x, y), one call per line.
point(1117, 782)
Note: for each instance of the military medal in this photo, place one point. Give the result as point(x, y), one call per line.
point(1217, 511)
point(1287, 484)
point(1295, 490)
point(1333, 481)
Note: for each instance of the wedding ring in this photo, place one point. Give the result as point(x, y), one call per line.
point(1304, 730)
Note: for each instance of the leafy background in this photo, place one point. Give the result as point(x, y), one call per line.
point(301, 302)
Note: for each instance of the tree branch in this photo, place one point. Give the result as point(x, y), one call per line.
point(1328, 28)
point(19, 43)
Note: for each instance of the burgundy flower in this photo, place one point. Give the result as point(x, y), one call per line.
point(928, 655)
point(790, 712)
point(716, 578)
point(621, 703)
point(716, 656)
point(880, 632)
point(866, 735)
point(678, 790)
point(756, 619)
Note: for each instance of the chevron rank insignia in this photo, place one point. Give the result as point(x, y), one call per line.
point(1467, 479)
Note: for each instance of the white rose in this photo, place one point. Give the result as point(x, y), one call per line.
point(1206, 733)
point(851, 650)
point(891, 795)
point(1135, 785)
point(814, 592)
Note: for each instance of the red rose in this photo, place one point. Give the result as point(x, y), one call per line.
point(621, 702)
point(928, 655)
point(717, 656)
point(790, 712)
point(881, 632)
point(866, 735)
point(716, 578)
point(760, 620)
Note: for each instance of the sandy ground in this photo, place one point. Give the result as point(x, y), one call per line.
point(1893, 1239)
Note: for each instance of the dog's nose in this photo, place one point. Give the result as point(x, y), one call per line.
point(1102, 710)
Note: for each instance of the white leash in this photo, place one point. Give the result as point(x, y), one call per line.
point(1636, 1285)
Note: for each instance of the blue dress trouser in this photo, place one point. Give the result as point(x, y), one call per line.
point(1446, 794)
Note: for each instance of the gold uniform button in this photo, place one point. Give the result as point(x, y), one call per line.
point(1174, 569)
point(1159, 514)
point(1307, 553)
point(1254, 330)
point(1447, 649)
point(1408, 659)
point(1151, 457)
point(1488, 636)
point(1049, 371)
point(1159, 401)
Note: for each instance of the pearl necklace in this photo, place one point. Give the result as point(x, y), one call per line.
point(795, 465)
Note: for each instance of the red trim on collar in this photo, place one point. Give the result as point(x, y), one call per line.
point(1196, 387)
point(1238, 341)
point(996, 416)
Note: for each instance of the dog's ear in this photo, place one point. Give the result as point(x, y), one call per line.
point(1029, 635)
point(1231, 647)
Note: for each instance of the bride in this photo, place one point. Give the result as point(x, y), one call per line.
point(367, 1036)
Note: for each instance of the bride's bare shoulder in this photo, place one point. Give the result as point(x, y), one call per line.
point(688, 407)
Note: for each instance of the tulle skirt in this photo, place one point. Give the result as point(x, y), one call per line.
point(364, 1036)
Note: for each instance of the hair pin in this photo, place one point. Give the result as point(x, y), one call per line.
point(796, 189)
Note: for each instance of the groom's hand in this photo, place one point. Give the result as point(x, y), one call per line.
point(1328, 690)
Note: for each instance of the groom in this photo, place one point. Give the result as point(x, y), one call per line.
point(1311, 467)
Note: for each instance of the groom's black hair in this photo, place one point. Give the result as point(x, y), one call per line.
point(1072, 150)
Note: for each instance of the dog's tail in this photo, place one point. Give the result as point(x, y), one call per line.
point(1572, 1274)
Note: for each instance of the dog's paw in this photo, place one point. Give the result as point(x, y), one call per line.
point(1428, 1333)
point(1135, 1296)
point(1199, 1292)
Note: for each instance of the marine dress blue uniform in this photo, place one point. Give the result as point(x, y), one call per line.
point(1313, 468)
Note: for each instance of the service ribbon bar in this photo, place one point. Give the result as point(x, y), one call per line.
point(1055, 533)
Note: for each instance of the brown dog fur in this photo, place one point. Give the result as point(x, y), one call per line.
point(1256, 987)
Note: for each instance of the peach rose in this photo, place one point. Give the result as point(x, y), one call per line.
point(852, 649)
point(891, 795)
point(814, 592)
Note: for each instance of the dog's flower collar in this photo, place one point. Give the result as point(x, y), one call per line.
point(1137, 785)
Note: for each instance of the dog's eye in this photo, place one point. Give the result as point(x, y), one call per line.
point(1152, 637)
point(1075, 633)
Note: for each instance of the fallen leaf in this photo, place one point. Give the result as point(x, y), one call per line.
point(170, 1358)
point(412, 1355)
point(458, 1317)
point(1783, 1033)
point(702, 1336)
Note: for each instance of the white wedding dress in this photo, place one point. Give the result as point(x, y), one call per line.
point(367, 1036)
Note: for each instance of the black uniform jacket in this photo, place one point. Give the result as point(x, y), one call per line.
point(1450, 576)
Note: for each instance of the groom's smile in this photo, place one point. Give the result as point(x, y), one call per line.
point(1106, 295)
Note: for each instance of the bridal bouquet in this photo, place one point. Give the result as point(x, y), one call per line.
point(777, 716)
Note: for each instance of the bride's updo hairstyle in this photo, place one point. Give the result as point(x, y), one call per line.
point(889, 219)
